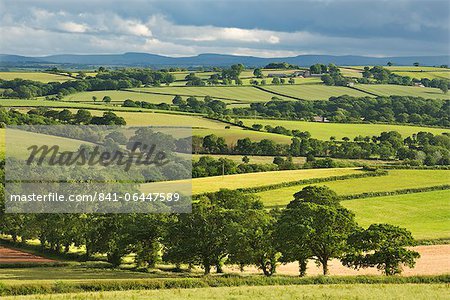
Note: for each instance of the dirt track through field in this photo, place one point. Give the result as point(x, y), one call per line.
point(8, 255)
point(434, 260)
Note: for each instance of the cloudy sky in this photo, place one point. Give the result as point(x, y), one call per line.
point(253, 27)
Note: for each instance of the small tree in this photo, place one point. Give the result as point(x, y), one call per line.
point(94, 98)
point(291, 80)
point(245, 159)
point(107, 99)
point(257, 73)
point(381, 246)
point(444, 87)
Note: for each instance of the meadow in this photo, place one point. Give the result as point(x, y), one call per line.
point(236, 181)
point(425, 214)
point(324, 131)
point(331, 291)
point(395, 180)
point(35, 76)
point(118, 96)
point(240, 93)
point(314, 91)
point(402, 90)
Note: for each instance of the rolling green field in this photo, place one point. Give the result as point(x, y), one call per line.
point(426, 215)
point(36, 76)
point(334, 291)
point(324, 131)
point(401, 90)
point(429, 75)
point(395, 180)
point(314, 92)
point(201, 126)
point(240, 93)
point(119, 96)
point(403, 68)
point(215, 183)
point(233, 134)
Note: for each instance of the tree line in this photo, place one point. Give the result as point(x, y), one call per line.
point(227, 227)
point(107, 80)
point(46, 116)
point(422, 148)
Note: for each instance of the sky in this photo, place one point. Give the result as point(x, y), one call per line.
point(274, 28)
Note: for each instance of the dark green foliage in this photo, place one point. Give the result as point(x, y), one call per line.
point(381, 246)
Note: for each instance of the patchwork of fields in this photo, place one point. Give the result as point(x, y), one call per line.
point(240, 93)
point(401, 90)
point(35, 76)
point(215, 183)
point(395, 180)
point(314, 92)
point(324, 131)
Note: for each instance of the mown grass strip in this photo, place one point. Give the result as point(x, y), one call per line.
point(205, 282)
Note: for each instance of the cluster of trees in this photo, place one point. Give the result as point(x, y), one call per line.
point(144, 104)
point(421, 148)
point(209, 166)
point(225, 76)
point(227, 227)
point(385, 76)
point(345, 109)
point(82, 116)
point(107, 80)
point(333, 76)
point(45, 116)
point(280, 65)
point(208, 105)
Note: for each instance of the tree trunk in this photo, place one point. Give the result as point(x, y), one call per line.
point(207, 268)
point(302, 265)
point(325, 266)
point(219, 268)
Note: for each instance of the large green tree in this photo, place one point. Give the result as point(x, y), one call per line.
point(381, 246)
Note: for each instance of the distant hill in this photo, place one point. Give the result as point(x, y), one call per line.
point(146, 59)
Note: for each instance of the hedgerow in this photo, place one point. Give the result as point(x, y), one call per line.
point(204, 282)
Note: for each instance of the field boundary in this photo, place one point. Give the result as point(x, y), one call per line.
point(366, 173)
point(184, 95)
point(395, 192)
point(205, 282)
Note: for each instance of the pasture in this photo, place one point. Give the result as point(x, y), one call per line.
point(240, 93)
point(402, 90)
point(395, 180)
point(35, 76)
point(313, 91)
point(324, 131)
point(118, 96)
point(330, 291)
point(236, 181)
point(426, 215)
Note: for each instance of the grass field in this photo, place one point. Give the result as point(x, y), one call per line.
point(324, 131)
point(36, 76)
point(119, 96)
point(314, 92)
point(212, 184)
point(233, 134)
point(429, 75)
point(395, 180)
point(241, 93)
point(335, 291)
point(401, 90)
point(403, 68)
point(426, 215)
